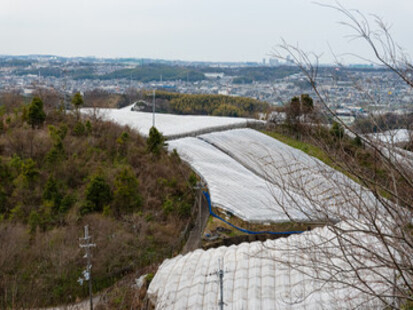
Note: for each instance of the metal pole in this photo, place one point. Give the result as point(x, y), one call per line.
point(221, 286)
point(89, 266)
point(153, 109)
point(87, 246)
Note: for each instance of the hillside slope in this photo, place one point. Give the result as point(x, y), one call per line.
point(66, 173)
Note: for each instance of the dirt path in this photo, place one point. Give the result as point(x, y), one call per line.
point(195, 236)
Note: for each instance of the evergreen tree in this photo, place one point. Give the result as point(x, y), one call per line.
point(98, 194)
point(36, 115)
point(155, 141)
point(307, 105)
point(126, 195)
point(51, 193)
point(77, 102)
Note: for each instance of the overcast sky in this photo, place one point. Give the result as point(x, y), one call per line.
point(204, 30)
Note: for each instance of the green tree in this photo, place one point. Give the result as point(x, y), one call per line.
point(227, 110)
point(57, 151)
point(79, 129)
point(122, 142)
point(29, 170)
point(293, 111)
point(3, 200)
point(98, 194)
point(77, 102)
point(337, 131)
point(88, 127)
point(126, 194)
point(52, 193)
point(307, 104)
point(155, 141)
point(36, 114)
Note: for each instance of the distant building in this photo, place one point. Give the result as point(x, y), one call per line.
point(274, 62)
point(214, 75)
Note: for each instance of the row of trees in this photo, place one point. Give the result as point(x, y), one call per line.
point(218, 105)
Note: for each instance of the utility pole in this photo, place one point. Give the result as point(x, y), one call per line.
point(220, 274)
point(153, 109)
point(87, 273)
point(221, 284)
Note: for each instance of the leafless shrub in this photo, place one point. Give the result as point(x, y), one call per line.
point(370, 250)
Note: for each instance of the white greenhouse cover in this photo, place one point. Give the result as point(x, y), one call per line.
point(260, 179)
point(276, 274)
point(233, 187)
point(393, 136)
point(169, 124)
point(289, 168)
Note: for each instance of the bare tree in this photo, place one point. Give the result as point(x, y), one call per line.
point(367, 244)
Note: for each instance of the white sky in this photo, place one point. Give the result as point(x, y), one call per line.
point(205, 30)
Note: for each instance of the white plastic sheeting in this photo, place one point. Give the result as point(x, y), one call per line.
point(388, 142)
point(170, 125)
point(276, 274)
point(260, 179)
point(392, 136)
point(288, 168)
point(236, 189)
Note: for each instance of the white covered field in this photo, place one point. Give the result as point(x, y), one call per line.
point(392, 136)
point(287, 167)
point(169, 124)
point(233, 187)
point(276, 274)
point(260, 179)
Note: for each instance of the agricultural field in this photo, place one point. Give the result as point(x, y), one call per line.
point(392, 136)
point(170, 125)
point(274, 274)
point(233, 187)
point(287, 168)
point(261, 179)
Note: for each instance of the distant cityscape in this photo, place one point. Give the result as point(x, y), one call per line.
point(351, 90)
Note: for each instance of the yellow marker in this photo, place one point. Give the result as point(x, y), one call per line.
point(390, 93)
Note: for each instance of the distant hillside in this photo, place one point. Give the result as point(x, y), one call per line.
point(156, 72)
point(245, 75)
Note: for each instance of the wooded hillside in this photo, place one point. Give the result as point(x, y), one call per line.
point(217, 105)
point(59, 172)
